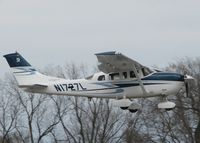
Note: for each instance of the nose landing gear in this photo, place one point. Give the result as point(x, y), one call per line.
point(167, 105)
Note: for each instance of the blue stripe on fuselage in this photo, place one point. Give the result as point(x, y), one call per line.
point(135, 84)
point(165, 76)
point(159, 76)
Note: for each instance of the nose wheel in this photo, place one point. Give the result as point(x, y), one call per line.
point(169, 109)
point(165, 104)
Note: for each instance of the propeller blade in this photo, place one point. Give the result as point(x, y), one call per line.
point(187, 88)
point(187, 79)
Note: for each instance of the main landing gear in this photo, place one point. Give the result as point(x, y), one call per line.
point(133, 108)
point(122, 103)
point(126, 104)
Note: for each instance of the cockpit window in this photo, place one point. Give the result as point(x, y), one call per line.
point(114, 76)
point(146, 71)
point(101, 78)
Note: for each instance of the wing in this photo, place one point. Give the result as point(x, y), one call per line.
point(116, 62)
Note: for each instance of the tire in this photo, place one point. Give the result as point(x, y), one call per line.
point(124, 108)
point(133, 110)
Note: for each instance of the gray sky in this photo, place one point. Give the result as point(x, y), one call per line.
point(153, 32)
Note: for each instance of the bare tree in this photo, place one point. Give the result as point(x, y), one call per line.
point(96, 121)
point(189, 105)
point(90, 121)
point(183, 123)
point(62, 107)
point(36, 119)
point(8, 114)
point(27, 117)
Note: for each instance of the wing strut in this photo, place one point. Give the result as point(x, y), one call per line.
point(139, 80)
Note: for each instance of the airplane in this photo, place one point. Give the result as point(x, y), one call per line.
point(120, 78)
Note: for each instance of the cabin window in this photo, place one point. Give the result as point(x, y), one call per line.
point(124, 75)
point(132, 74)
point(114, 76)
point(101, 78)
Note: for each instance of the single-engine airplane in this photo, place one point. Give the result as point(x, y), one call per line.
point(121, 79)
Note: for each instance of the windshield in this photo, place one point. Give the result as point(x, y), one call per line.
point(146, 71)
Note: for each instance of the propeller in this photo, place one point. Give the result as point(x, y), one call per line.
point(187, 79)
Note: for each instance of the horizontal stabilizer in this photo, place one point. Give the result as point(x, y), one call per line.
point(34, 86)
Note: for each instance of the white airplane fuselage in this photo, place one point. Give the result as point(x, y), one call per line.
point(127, 83)
point(155, 84)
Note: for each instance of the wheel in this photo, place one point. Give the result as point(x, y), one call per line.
point(124, 108)
point(169, 109)
point(166, 105)
point(133, 110)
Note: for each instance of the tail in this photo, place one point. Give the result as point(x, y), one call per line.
point(25, 74)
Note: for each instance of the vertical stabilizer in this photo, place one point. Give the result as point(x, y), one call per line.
point(24, 73)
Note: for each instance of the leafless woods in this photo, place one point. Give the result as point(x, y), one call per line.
point(37, 118)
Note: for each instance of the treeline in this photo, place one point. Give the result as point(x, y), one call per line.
point(38, 118)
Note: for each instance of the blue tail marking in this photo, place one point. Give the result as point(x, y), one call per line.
point(16, 60)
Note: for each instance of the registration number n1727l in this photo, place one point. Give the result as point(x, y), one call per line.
point(69, 87)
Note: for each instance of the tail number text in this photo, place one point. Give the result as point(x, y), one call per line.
point(69, 87)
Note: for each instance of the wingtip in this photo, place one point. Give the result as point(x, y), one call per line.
point(16, 53)
point(106, 53)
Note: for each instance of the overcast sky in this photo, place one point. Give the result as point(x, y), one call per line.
point(153, 32)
